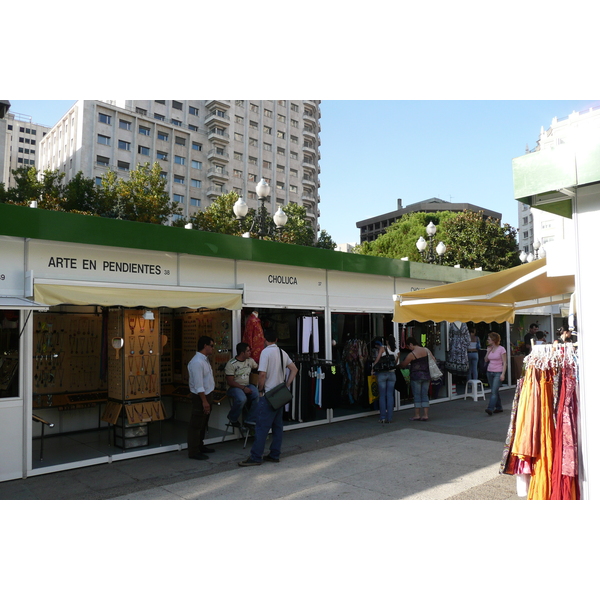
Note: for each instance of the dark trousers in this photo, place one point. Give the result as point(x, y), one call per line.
point(198, 425)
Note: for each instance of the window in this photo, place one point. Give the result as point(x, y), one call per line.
point(281, 118)
point(192, 127)
point(179, 179)
point(195, 201)
point(268, 147)
point(253, 142)
point(161, 135)
point(294, 172)
point(294, 123)
point(281, 135)
point(238, 137)
point(294, 138)
point(268, 113)
point(281, 102)
point(104, 140)
point(196, 183)
point(123, 166)
point(280, 185)
point(159, 117)
point(267, 164)
point(163, 175)
point(162, 155)
point(253, 125)
point(196, 164)
point(144, 130)
point(124, 124)
point(251, 177)
point(179, 198)
point(141, 111)
point(239, 120)
point(237, 173)
point(280, 169)
point(102, 161)
point(123, 145)
point(196, 146)
point(294, 155)
point(280, 151)
point(176, 122)
point(160, 102)
point(239, 103)
point(102, 118)
point(253, 160)
point(294, 188)
point(254, 107)
point(238, 156)
point(144, 150)
point(193, 111)
point(177, 105)
point(98, 180)
point(179, 160)
point(179, 141)
point(268, 130)
point(294, 107)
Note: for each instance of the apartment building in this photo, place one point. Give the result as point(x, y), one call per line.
point(205, 147)
point(20, 140)
point(538, 225)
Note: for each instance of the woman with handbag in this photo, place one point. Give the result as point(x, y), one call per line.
point(384, 366)
point(417, 362)
point(495, 357)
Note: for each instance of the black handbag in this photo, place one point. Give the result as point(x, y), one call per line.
point(280, 395)
point(387, 362)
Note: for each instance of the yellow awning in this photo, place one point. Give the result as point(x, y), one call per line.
point(91, 295)
point(493, 297)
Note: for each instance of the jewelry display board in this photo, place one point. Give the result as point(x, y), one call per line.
point(134, 367)
point(67, 353)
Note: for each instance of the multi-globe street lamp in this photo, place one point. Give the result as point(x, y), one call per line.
point(426, 249)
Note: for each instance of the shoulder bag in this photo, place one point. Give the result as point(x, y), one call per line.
point(434, 370)
point(280, 395)
point(387, 362)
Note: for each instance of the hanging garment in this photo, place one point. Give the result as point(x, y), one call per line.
point(458, 358)
point(254, 336)
point(308, 334)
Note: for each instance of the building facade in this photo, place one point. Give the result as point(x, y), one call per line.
point(205, 147)
point(539, 225)
point(373, 227)
point(20, 141)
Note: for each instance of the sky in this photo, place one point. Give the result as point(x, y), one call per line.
point(376, 151)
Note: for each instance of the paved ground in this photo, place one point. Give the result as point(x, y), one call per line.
point(453, 456)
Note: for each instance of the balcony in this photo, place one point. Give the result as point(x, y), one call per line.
point(218, 135)
point(214, 192)
point(216, 174)
point(218, 155)
point(217, 118)
point(217, 104)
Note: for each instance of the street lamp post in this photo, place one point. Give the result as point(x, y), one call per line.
point(538, 252)
point(240, 209)
point(426, 249)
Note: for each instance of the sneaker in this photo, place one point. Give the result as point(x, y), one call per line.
point(249, 463)
point(269, 458)
point(489, 412)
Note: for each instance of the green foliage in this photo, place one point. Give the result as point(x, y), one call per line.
point(325, 241)
point(471, 240)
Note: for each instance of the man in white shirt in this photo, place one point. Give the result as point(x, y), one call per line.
point(241, 391)
point(271, 372)
point(202, 384)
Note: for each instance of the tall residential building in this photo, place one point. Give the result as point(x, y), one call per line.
point(537, 225)
point(19, 144)
point(205, 147)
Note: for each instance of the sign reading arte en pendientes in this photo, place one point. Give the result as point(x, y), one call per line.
point(92, 263)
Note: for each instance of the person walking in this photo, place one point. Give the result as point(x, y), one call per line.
point(240, 390)
point(495, 357)
point(473, 354)
point(384, 366)
point(202, 385)
point(417, 362)
point(271, 367)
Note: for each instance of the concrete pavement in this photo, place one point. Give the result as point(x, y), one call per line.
point(453, 456)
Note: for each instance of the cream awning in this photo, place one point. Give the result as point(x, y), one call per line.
point(493, 297)
point(130, 296)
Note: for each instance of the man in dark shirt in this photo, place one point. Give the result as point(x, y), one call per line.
point(528, 337)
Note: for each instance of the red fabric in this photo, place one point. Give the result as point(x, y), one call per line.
point(253, 335)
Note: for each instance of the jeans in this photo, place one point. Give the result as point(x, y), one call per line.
point(267, 418)
point(239, 401)
point(420, 388)
point(473, 361)
point(494, 381)
point(386, 381)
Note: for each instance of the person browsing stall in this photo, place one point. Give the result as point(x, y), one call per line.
point(271, 369)
point(495, 357)
point(202, 385)
point(417, 362)
point(240, 390)
point(387, 359)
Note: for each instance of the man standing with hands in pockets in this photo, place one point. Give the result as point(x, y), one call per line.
point(202, 384)
point(271, 369)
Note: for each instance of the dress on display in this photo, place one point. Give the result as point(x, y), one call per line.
point(458, 359)
point(254, 336)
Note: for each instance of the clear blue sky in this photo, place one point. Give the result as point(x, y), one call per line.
point(374, 152)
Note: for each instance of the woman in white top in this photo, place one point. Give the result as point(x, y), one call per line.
point(387, 359)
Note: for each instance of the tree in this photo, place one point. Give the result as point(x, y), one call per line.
point(142, 197)
point(325, 241)
point(471, 240)
point(25, 189)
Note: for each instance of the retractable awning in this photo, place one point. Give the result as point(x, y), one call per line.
point(493, 297)
point(132, 296)
point(20, 303)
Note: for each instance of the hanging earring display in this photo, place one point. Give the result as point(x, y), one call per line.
point(132, 321)
point(142, 339)
point(142, 323)
point(150, 346)
point(131, 344)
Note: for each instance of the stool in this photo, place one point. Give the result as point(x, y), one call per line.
point(474, 389)
point(229, 425)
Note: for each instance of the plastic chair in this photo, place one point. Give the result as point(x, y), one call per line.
point(474, 389)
